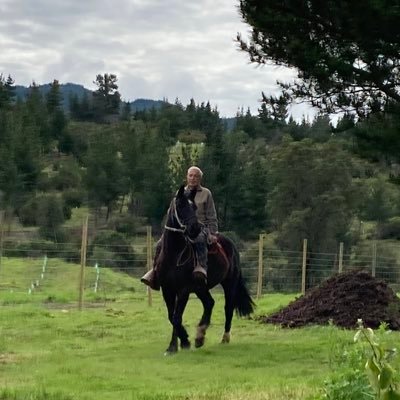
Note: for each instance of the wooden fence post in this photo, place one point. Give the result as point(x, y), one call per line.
point(304, 267)
point(1, 235)
point(341, 257)
point(260, 264)
point(83, 262)
point(373, 259)
point(149, 252)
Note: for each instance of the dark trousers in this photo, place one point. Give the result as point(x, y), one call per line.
point(200, 245)
point(201, 248)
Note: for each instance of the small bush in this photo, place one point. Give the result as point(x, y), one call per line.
point(39, 248)
point(33, 249)
point(389, 230)
point(50, 212)
point(115, 248)
point(348, 380)
point(73, 197)
point(28, 212)
point(125, 224)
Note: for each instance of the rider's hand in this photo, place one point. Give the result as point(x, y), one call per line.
point(213, 238)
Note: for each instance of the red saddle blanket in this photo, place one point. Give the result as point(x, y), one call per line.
point(217, 250)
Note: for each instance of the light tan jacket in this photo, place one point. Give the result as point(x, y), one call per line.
point(206, 212)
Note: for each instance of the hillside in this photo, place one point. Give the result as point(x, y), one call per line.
point(72, 89)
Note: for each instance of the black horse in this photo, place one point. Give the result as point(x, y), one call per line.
point(175, 264)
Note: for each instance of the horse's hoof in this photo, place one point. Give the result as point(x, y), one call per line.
point(185, 346)
point(199, 342)
point(201, 335)
point(226, 338)
point(171, 351)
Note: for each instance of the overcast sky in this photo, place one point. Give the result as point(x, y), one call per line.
point(157, 48)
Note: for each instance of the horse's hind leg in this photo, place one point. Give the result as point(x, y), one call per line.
point(229, 290)
point(208, 304)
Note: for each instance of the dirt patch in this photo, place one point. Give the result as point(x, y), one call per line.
point(343, 299)
point(8, 358)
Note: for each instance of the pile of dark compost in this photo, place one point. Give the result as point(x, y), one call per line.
point(343, 299)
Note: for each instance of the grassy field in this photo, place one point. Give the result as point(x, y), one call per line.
point(114, 348)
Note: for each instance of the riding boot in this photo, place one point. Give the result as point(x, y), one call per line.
point(150, 279)
point(200, 270)
point(200, 273)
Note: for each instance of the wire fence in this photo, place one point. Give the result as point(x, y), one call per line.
point(60, 273)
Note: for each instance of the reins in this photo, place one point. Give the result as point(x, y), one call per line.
point(182, 230)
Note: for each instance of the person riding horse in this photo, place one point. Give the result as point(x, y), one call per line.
point(174, 272)
point(207, 215)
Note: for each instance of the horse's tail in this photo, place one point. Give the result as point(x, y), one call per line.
point(243, 303)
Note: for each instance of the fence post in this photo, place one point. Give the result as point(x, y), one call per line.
point(83, 262)
point(1, 234)
point(304, 267)
point(260, 264)
point(96, 283)
point(149, 248)
point(340, 257)
point(373, 259)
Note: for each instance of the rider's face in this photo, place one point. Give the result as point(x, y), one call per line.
point(193, 178)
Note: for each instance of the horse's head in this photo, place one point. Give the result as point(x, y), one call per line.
point(185, 212)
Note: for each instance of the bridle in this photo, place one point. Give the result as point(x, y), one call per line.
point(182, 227)
point(183, 230)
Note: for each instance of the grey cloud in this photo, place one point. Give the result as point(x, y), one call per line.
point(158, 49)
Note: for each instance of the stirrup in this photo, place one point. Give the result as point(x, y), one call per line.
point(150, 279)
point(200, 274)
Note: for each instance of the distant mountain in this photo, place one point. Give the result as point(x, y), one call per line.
point(72, 89)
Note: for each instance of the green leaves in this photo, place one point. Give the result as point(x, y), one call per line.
point(345, 56)
point(382, 376)
point(372, 370)
point(385, 377)
point(391, 395)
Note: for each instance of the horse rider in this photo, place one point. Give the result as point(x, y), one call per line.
point(207, 215)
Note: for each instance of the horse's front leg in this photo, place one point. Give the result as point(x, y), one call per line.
point(170, 301)
point(176, 305)
point(181, 302)
point(208, 304)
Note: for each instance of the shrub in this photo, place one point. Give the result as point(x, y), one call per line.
point(28, 212)
point(347, 381)
point(124, 224)
point(115, 248)
point(73, 197)
point(389, 230)
point(362, 372)
point(50, 215)
point(39, 248)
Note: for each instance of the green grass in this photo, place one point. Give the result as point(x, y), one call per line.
point(114, 347)
point(117, 352)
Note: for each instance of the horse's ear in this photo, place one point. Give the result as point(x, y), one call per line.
point(181, 191)
point(192, 195)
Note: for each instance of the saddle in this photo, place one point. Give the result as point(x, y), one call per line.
point(216, 250)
